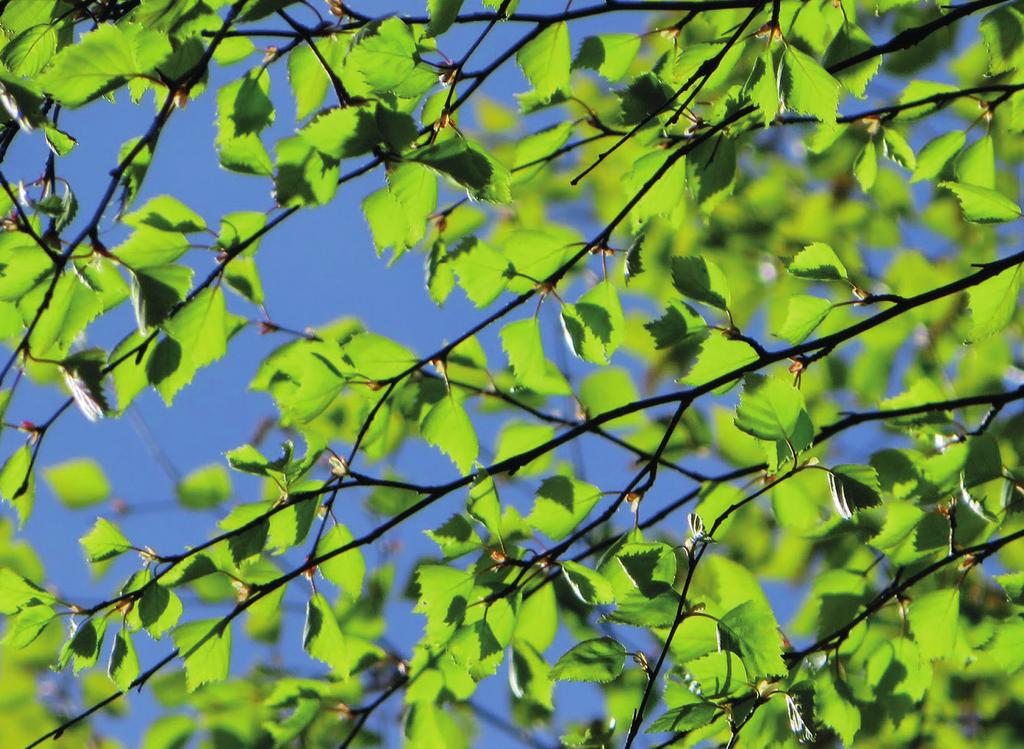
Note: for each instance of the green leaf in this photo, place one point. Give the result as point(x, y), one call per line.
point(684, 718)
point(61, 144)
point(561, 504)
point(322, 637)
point(976, 164)
point(170, 732)
point(84, 645)
point(152, 249)
point(993, 302)
point(308, 80)
point(104, 541)
point(710, 174)
point(807, 88)
point(935, 156)
point(516, 438)
point(398, 214)
point(718, 356)
point(521, 341)
point(166, 214)
point(1003, 33)
point(443, 599)
point(770, 409)
point(1011, 582)
point(386, 57)
point(716, 675)
point(702, 280)
point(346, 570)
point(982, 205)
point(835, 707)
point(442, 15)
point(599, 660)
point(852, 488)
point(935, 622)
point(762, 87)
point(78, 483)
point(200, 330)
point(469, 166)
point(342, 133)
point(205, 647)
point(304, 176)
point(205, 487)
point(589, 586)
point(102, 60)
point(17, 482)
point(751, 631)
point(448, 427)
point(546, 60)
point(31, 50)
point(611, 55)
point(817, 262)
point(865, 167)
point(896, 148)
point(803, 315)
point(244, 109)
point(850, 42)
point(455, 538)
point(24, 628)
point(681, 323)
point(595, 323)
point(483, 271)
point(160, 608)
point(123, 667)
point(83, 374)
point(156, 291)
point(16, 593)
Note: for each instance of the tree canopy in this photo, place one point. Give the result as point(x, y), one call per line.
point(723, 447)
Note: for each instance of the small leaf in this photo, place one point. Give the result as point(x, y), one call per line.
point(322, 637)
point(817, 262)
point(982, 205)
point(78, 483)
point(17, 482)
point(521, 341)
point(205, 647)
point(770, 409)
point(611, 55)
point(447, 426)
point(589, 586)
point(595, 324)
point(160, 608)
point(104, 541)
point(935, 621)
point(205, 487)
point(807, 87)
point(483, 177)
point(16, 592)
point(123, 666)
point(865, 167)
point(561, 505)
point(936, 154)
point(751, 630)
point(599, 660)
point(701, 280)
point(804, 314)
point(166, 214)
point(346, 570)
point(546, 60)
point(993, 302)
point(442, 15)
